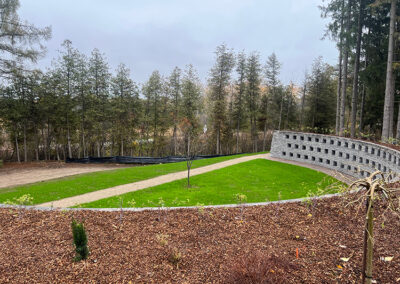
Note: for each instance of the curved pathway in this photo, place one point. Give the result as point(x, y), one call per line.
point(125, 188)
point(16, 177)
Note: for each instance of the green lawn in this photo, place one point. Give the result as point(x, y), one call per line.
point(79, 184)
point(259, 180)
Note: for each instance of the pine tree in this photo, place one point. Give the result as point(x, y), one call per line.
point(345, 68)
point(100, 76)
point(174, 92)
point(253, 78)
point(20, 41)
point(354, 99)
point(125, 106)
point(66, 70)
point(320, 100)
point(153, 91)
point(272, 70)
point(239, 107)
point(389, 90)
point(219, 81)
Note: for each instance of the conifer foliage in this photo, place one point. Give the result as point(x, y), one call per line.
point(80, 240)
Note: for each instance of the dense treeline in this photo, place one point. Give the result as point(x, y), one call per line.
point(78, 107)
point(81, 107)
point(366, 36)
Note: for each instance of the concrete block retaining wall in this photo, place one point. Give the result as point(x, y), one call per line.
point(352, 157)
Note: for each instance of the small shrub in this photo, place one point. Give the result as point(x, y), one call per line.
point(200, 208)
point(132, 203)
point(175, 257)
point(259, 268)
point(80, 240)
point(241, 200)
point(162, 239)
point(23, 200)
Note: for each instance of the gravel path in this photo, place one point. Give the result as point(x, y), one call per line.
point(14, 177)
point(125, 188)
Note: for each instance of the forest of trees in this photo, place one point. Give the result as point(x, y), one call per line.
point(81, 107)
point(367, 71)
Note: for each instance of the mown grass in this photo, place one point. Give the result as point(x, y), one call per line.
point(79, 184)
point(260, 180)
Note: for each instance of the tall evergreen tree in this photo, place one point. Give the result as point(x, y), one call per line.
point(272, 71)
point(345, 68)
point(100, 76)
point(389, 90)
point(174, 91)
point(239, 107)
point(153, 91)
point(253, 77)
point(354, 99)
point(320, 100)
point(19, 40)
point(125, 106)
point(219, 81)
point(66, 69)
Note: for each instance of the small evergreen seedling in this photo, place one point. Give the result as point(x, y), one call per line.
point(80, 240)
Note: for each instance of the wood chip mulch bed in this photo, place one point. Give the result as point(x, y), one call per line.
point(271, 244)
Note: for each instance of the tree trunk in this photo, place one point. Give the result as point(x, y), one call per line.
point(57, 151)
point(44, 145)
point(17, 148)
point(339, 83)
point(368, 244)
point(361, 125)
point(303, 98)
point(280, 114)
point(174, 140)
point(36, 144)
point(218, 140)
point(112, 146)
point(398, 125)
point(288, 110)
point(265, 134)
point(63, 151)
point(389, 91)
point(255, 136)
point(188, 163)
point(237, 136)
point(344, 77)
point(122, 146)
point(83, 141)
point(25, 148)
point(391, 113)
point(69, 140)
point(354, 98)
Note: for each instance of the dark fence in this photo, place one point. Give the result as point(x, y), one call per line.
point(138, 160)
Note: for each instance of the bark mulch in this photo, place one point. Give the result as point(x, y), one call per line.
point(286, 243)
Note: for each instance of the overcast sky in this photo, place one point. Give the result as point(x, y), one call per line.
point(160, 34)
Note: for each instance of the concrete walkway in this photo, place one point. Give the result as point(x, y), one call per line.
point(125, 188)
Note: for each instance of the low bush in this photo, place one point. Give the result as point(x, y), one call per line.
point(80, 240)
point(259, 268)
point(175, 257)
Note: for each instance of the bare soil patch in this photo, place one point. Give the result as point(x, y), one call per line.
point(13, 174)
point(216, 246)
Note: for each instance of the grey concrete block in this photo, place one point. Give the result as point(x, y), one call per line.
point(352, 157)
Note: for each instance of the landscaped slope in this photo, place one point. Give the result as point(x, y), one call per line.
point(80, 184)
point(216, 245)
point(260, 180)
